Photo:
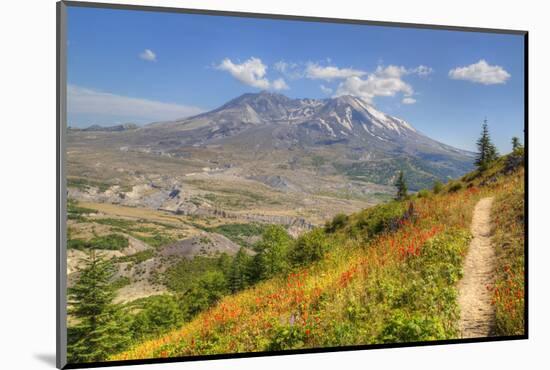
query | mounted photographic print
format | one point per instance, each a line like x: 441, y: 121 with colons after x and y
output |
x: 235, y: 184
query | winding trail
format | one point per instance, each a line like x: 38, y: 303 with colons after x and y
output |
x: 476, y: 311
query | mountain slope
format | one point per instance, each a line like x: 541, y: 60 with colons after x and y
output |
x: 355, y: 138
x: 397, y: 284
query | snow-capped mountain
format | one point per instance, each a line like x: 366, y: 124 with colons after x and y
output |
x: 307, y: 122
x: 361, y: 138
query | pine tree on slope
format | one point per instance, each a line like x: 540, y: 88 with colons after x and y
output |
x: 401, y: 186
x: 101, y: 329
x: 487, y: 152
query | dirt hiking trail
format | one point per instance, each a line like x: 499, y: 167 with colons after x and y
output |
x: 476, y: 311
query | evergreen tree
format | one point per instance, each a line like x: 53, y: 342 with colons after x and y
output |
x: 204, y: 292
x: 487, y: 152
x: 309, y: 247
x: 401, y: 185
x: 271, y: 258
x: 224, y: 264
x: 516, y: 144
x: 101, y: 328
x: 239, y: 273
x: 160, y: 314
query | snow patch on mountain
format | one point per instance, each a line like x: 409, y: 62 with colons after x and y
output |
x: 327, y: 126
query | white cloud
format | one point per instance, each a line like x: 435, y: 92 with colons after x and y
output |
x: 279, y: 84
x: 252, y: 73
x: 86, y: 101
x: 289, y: 69
x: 408, y: 100
x: 148, y: 55
x: 385, y: 81
x: 326, y: 90
x: 316, y: 72
x: 480, y: 72
x: 281, y: 66
x: 422, y: 71
x: 391, y: 71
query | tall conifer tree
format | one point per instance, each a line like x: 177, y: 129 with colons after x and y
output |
x: 487, y: 152
x: 101, y: 329
x: 401, y: 185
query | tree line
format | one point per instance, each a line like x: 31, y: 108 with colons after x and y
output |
x: 487, y: 154
x: 101, y: 328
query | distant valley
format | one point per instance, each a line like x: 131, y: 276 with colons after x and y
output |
x: 204, y: 184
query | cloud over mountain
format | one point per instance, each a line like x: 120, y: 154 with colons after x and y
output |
x: 385, y: 81
x: 316, y: 72
x: 251, y: 72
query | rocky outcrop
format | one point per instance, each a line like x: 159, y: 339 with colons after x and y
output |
x: 204, y: 244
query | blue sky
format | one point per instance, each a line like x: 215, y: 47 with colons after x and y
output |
x: 135, y: 66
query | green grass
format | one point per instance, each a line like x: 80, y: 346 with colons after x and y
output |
x: 508, y: 216
x: 85, y: 184
x: 377, y: 277
x: 387, y: 274
x: 422, y: 299
x: 419, y: 175
x: 239, y: 233
x: 371, y: 221
x: 107, y: 242
x: 116, y: 222
x: 156, y: 240
x: 121, y: 282
x: 77, y: 213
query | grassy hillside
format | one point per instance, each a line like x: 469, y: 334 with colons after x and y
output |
x: 505, y: 178
x: 389, y: 275
x: 509, y: 239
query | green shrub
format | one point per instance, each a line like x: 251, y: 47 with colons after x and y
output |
x: 423, y: 193
x: 288, y: 337
x: 183, y: 274
x: 156, y: 240
x: 438, y: 186
x: 204, y: 292
x: 157, y: 314
x: 116, y: 222
x: 79, y: 244
x: 309, y: 247
x: 471, y: 176
x: 338, y: 222
x: 375, y: 220
x: 416, y: 328
x: 455, y: 187
x: 239, y: 233
x: 108, y: 242
x: 137, y: 257
x: 75, y: 212
x: 84, y: 184
x: 120, y: 282
x: 111, y: 242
